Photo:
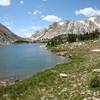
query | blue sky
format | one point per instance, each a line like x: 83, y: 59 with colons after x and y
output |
x: 23, y: 17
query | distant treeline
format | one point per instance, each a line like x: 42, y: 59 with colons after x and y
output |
x: 73, y: 38
x: 22, y: 41
x: 57, y: 40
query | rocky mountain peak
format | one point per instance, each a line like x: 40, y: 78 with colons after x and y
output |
x: 68, y: 27
x: 93, y: 19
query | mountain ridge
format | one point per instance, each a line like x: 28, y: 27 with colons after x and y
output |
x: 67, y: 27
x: 6, y: 36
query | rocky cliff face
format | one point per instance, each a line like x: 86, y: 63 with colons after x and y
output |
x: 6, y: 36
x: 67, y: 27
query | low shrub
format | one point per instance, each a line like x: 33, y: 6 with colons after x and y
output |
x: 95, y: 82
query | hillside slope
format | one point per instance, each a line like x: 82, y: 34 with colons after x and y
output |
x: 6, y: 36
x: 67, y: 27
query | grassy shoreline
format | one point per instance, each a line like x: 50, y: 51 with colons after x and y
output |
x: 50, y: 85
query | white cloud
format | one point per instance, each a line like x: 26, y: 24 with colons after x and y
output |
x: 88, y: 12
x: 44, y: 0
x: 29, y: 12
x: 5, y: 2
x: 7, y: 23
x: 9, y: 27
x: 27, y: 35
x: 42, y: 16
x: 34, y: 28
x: 21, y: 2
x: 51, y: 18
x: 23, y: 30
x: 29, y: 31
x: 37, y: 12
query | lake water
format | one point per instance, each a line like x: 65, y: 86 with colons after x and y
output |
x: 22, y: 60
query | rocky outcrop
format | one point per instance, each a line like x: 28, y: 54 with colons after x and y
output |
x: 67, y: 27
x: 6, y: 36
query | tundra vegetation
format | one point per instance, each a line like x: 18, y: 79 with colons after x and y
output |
x: 77, y: 79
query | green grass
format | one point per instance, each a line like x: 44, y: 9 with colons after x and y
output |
x: 49, y: 85
x: 47, y: 79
